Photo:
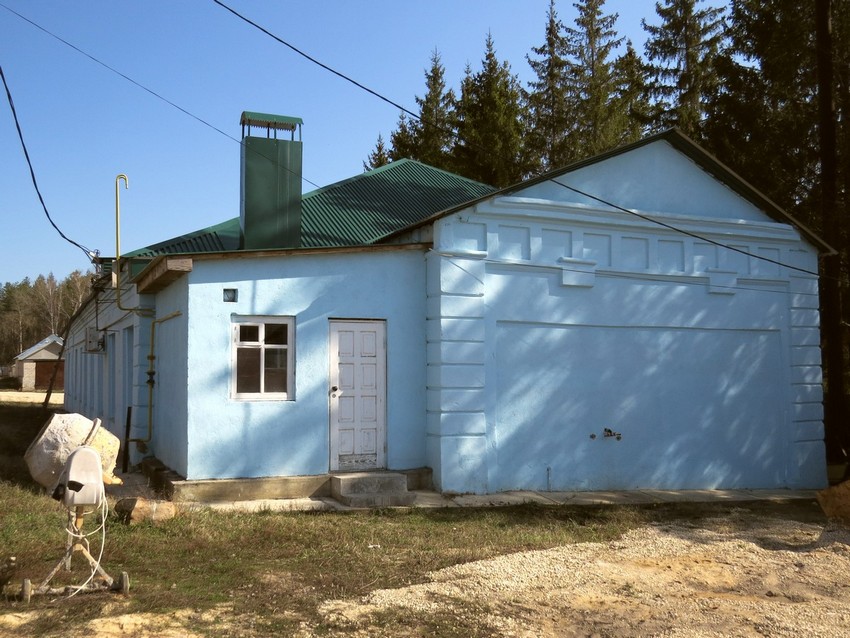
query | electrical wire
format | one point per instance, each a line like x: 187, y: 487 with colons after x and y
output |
x: 454, y: 134
x: 89, y: 254
x: 75, y: 533
x: 375, y: 94
x: 315, y: 61
x: 681, y: 231
x: 142, y: 86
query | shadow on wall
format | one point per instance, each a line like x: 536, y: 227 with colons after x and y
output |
x: 600, y: 407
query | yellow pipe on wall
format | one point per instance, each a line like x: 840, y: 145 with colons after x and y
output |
x: 116, y: 266
x: 151, y: 372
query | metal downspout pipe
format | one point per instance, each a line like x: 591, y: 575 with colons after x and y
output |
x: 151, y: 373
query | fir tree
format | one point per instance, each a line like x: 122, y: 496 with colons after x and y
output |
x: 434, y: 132
x: 378, y: 157
x: 632, y: 96
x: 763, y: 121
x: 490, y: 119
x: 402, y: 140
x: 428, y: 139
x: 682, y: 52
x: 549, y: 114
x: 597, y: 125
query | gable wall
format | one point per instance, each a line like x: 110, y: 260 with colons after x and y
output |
x: 525, y: 293
x: 656, y: 178
x: 50, y: 352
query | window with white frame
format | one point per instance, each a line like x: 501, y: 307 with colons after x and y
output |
x: 263, y: 358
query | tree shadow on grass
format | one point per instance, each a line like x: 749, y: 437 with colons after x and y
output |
x: 19, y: 425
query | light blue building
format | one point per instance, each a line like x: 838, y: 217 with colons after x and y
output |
x: 642, y: 319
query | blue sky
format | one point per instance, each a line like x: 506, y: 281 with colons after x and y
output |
x: 84, y: 124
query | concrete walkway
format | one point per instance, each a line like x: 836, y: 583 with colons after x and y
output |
x: 428, y: 499
x: 136, y: 485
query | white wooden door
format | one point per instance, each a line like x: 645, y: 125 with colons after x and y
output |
x: 357, y: 392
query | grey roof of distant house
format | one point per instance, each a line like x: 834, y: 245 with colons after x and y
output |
x: 26, y: 354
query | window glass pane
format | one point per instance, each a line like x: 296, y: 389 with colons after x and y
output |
x: 275, y: 370
x: 249, y: 333
x: 247, y: 370
x: 276, y: 334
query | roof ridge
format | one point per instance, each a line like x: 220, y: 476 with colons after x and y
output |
x: 444, y: 172
x: 395, y: 164
x: 52, y: 338
x: 348, y: 180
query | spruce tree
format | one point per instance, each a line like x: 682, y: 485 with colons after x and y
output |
x: 598, y: 123
x: 682, y: 52
x: 429, y: 138
x: 490, y: 118
x: 763, y: 122
x: 632, y: 99
x: 378, y: 157
x: 549, y: 112
x: 402, y: 140
x: 433, y: 134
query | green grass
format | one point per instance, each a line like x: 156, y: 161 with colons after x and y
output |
x: 266, y: 573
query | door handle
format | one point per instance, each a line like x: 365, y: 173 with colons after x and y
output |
x: 334, y: 388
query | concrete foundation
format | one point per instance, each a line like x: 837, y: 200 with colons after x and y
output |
x: 174, y: 487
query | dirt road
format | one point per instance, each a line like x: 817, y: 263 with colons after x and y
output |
x: 15, y: 396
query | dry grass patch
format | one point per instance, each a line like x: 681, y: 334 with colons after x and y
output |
x: 208, y: 573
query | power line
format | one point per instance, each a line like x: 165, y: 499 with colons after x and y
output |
x: 142, y: 86
x: 684, y: 232
x: 454, y: 134
x: 89, y: 254
x: 317, y: 62
x: 388, y: 101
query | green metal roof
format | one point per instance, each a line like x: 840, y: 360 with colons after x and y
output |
x: 354, y: 212
x: 218, y: 238
x: 366, y: 208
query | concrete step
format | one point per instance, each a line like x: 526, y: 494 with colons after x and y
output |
x: 367, y: 483
x: 378, y: 499
x: 371, y: 489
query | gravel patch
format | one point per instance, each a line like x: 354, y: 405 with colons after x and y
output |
x: 736, y: 576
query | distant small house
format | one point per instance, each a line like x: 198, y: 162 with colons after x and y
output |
x: 34, y: 366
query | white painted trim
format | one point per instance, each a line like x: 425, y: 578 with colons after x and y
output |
x: 381, y: 381
x: 261, y: 320
x: 574, y: 213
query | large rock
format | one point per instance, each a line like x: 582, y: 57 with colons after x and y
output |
x: 835, y: 502
x: 61, y: 435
